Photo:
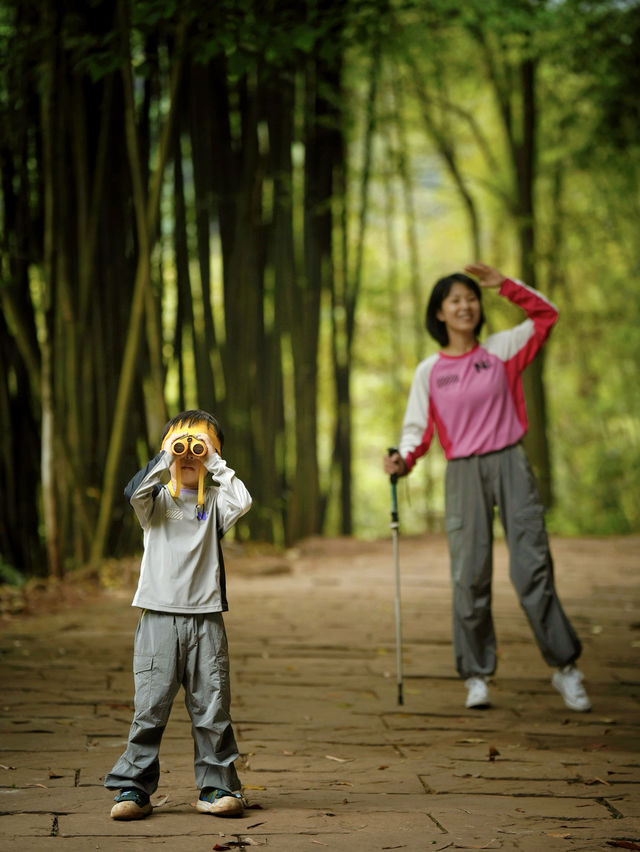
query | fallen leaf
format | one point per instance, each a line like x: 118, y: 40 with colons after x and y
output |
x: 53, y: 774
x: 383, y: 767
x: 471, y: 740
x: 253, y: 787
x: 623, y: 844
x: 2, y: 766
x: 218, y: 847
x: 493, y: 753
x: 591, y: 781
x: 337, y: 759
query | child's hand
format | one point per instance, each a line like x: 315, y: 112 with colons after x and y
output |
x: 170, y: 440
x: 206, y: 440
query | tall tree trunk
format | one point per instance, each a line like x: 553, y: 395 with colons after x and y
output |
x: 241, y: 232
x: 519, y: 98
x: 282, y: 260
x: 201, y: 130
x: 184, y: 310
x: 417, y: 296
x: 536, y: 440
x: 146, y: 220
x: 50, y: 154
x: 304, y: 512
x: 345, y: 287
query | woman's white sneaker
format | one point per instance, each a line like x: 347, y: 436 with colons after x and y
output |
x: 477, y: 693
x: 568, y: 682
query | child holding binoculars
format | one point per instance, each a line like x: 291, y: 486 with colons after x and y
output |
x: 180, y: 637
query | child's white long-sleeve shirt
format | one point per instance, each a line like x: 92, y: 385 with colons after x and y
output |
x: 182, y: 566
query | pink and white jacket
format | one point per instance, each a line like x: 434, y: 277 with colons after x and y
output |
x: 475, y: 401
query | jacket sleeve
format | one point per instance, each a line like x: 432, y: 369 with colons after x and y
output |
x: 520, y: 345
x: 232, y: 498
x: 418, y: 423
x: 143, y: 488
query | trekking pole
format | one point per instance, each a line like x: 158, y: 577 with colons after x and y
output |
x: 394, y: 525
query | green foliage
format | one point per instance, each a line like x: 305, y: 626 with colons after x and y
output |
x: 10, y: 575
x: 447, y: 83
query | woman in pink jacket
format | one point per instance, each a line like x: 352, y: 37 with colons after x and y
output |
x: 471, y: 393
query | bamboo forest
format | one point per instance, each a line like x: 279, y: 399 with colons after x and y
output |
x: 242, y: 206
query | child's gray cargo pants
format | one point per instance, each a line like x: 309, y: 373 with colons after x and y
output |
x: 172, y: 650
x: 474, y: 485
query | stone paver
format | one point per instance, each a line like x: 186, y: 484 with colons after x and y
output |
x: 329, y: 760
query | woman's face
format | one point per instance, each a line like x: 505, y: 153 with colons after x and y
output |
x: 460, y: 310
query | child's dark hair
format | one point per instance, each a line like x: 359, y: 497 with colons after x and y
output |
x: 436, y: 328
x: 191, y: 417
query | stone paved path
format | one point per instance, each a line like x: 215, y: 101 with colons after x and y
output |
x: 329, y: 759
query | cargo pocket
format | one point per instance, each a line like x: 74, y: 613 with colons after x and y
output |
x: 531, y: 535
x: 454, y: 526
x: 142, y: 673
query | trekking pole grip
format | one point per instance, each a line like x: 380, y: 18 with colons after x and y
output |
x: 393, y: 478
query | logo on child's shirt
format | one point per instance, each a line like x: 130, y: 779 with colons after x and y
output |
x: 451, y: 379
x: 174, y: 514
x: 481, y: 365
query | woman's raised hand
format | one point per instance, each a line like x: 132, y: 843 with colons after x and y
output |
x: 487, y: 276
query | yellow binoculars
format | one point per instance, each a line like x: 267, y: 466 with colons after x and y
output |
x: 189, y: 444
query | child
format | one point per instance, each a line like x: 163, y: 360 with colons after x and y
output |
x: 472, y: 394
x: 180, y: 638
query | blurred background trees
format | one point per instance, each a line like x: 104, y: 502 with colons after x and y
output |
x: 242, y: 206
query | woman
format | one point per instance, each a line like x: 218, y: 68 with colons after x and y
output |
x: 472, y: 394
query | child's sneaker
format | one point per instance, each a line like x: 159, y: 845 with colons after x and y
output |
x: 131, y: 804
x: 220, y: 802
x: 477, y: 694
x: 568, y: 682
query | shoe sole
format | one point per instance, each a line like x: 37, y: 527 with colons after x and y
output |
x: 582, y: 708
x: 129, y: 811
x: 227, y: 806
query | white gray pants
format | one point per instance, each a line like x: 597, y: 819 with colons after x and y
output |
x: 474, y: 486
x: 170, y: 650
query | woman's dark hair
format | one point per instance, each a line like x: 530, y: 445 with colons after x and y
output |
x: 436, y: 328
x: 187, y: 419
